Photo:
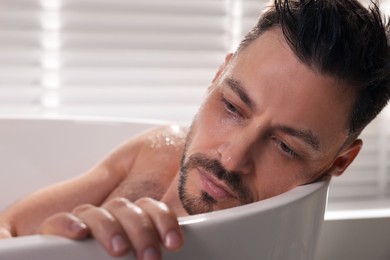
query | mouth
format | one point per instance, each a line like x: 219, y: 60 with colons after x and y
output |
x: 214, y: 187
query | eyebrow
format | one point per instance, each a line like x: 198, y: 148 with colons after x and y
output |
x: 306, y: 136
x: 237, y: 88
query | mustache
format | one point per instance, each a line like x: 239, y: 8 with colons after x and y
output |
x: 232, y: 179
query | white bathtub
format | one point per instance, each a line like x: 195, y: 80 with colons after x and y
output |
x: 37, y: 152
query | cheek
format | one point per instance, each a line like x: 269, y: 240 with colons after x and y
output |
x: 275, y: 174
x: 207, y: 127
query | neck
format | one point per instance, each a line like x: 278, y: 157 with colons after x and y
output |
x: 171, y: 198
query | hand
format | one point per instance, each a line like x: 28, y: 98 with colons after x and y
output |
x: 121, y: 226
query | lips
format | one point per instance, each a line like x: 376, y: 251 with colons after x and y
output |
x: 214, y: 187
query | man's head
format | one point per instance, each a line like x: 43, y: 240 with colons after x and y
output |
x: 287, y: 107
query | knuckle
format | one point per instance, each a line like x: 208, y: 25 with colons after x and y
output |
x: 157, y: 207
x: 123, y: 205
x: 158, y: 211
x: 117, y: 203
x: 105, y: 225
x: 60, y: 215
x: 144, y: 201
x: 164, y: 208
x: 146, y: 225
x: 82, y: 208
x: 146, y: 229
x: 102, y: 221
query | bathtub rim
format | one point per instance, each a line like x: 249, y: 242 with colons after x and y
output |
x: 278, y: 201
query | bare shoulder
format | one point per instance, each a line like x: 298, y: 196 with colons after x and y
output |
x: 156, y: 144
x: 157, y: 161
x: 167, y: 137
x: 164, y: 136
x: 163, y: 146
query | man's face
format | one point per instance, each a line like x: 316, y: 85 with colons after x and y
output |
x: 268, y: 124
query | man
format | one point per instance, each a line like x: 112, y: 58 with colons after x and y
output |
x: 285, y: 109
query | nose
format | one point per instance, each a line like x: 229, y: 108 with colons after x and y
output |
x: 235, y: 152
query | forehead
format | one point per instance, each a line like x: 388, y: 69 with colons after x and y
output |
x: 288, y: 92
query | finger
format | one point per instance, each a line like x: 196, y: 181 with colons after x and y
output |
x: 64, y: 224
x: 104, y: 228
x: 5, y: 233
x: 138, y: 227
x: 165, y: 221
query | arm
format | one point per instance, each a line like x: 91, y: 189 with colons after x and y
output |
x: 79, y: 207
x: 93, y: 187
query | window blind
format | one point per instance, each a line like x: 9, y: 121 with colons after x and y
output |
x: 125, y: 58
x: 143, y: 59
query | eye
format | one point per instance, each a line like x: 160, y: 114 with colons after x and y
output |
x: 230, y: 107
x: 285, y: 148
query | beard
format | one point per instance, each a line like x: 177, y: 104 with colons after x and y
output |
x: 203, y: 202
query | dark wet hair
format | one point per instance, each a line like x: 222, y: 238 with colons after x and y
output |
x: 341, y: 39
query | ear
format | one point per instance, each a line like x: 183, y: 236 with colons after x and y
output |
x: 223, y: 66
x: 345, y: 158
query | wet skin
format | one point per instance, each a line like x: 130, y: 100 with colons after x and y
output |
x: 268, y: 123
x: 269, y: 120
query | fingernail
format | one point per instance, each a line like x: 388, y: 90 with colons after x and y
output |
x: 172, y: 239
x: 118, y: 243
x: 150, y: 254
